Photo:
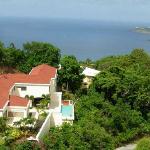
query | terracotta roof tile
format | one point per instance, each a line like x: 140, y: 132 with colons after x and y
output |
x: 18, y: 101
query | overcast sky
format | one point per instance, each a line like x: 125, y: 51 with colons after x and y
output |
x: 122, y: 10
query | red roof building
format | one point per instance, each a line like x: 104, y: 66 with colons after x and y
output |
x: 41, y: 74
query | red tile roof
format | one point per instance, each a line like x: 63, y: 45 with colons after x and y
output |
x: 41, y: 74
x: 18, y: 101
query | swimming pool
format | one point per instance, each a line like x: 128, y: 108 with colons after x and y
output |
x: 67, y: 111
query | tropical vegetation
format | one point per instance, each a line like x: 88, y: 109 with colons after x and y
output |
x: 112, y: 112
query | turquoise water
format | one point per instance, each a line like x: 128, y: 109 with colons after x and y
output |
x: 67, y: 111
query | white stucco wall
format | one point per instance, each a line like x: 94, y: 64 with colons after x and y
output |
x: 45, y: 127
x: 56, y: 101
x: 53, y: 85
x: 4, y: 110
x: 56, y: 119
x: 1, y: 113
x: 36, y: 90
x: 14, y: 91
x: 25, y: 110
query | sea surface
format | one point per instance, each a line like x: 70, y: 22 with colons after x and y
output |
x: 82, y: 38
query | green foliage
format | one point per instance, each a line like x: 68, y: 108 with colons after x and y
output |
x: 143, y: 144
x: 70, y: 73
x: 33, y: 54
x: 1, y: 53
x: 113, y: 111
x: 87, y: 63
x: 78, y: 137
x: 2, y: 141
x: 43, y: 104
x: 129, y: 82
x: 15, y: 133
x: 27, y: 145
x: 25, y: 123
x: 11, y: 56
x: 2, y: 125
x: 37, y: 53
x: 3, y: 147
x: 67, y: 96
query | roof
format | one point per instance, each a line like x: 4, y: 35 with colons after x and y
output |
x: 18, y: 101
x: 41, y: 74
x: 43, y: 69
x: 90, y: 72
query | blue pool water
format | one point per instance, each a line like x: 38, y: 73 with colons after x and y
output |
x: 67, y: 111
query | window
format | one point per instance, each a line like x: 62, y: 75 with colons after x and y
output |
x: 23, y: 88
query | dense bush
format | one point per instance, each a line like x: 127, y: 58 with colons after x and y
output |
x: 143, y: 144
x: 27, y: 145
x: 83, y: 137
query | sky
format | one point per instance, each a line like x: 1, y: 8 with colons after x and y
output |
x: 108, y: 10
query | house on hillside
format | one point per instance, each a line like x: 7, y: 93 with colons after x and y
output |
x: 89, y: 74
x: 15, y: 87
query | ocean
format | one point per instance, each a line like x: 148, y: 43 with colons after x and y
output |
x: 82, y: 38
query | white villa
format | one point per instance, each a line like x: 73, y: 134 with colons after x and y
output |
x: 41, y: 80
x: 89, y: 74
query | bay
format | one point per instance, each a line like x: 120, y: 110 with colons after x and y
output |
x: 82, y: 38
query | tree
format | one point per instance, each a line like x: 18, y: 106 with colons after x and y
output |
x: 13, y: 57
x: 38, y: 53
x: 128, y: 85
x: 1, y: 53
x: 87, y: 63
x: 70, y: 73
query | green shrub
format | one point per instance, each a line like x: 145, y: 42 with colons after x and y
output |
x: 2, y: 141
x: 9, y: 140
x: 68, y: 95
x: 3, y: 147
x: 143, y: 144
x: 2, y: 124
x: 15, y: 133
x: 27, y: 145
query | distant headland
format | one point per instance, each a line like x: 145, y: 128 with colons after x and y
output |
x: 145, y: 30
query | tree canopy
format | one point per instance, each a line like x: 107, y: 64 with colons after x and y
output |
x: 70, y: 73
x: 32, y: 54
x: 37, y: 53
x: 115, y: 109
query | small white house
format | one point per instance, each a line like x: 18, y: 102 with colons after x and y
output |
x: 89, y: 74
